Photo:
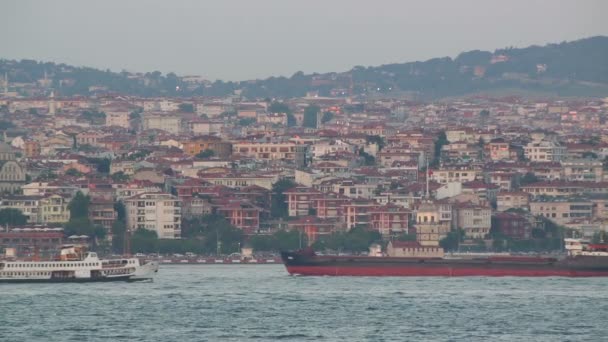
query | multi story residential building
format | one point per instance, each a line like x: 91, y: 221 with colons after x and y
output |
x: 101, y: 212
x: 301, y: 200
x: 238, y: 181
x: 512, y: 225
x: 32, y: 149
x: 560, y: 188
x: 91, y: 138
x: 199, y: 144
x: 354, y: 189
x: 266, y: 150
x: 510, y: 200
x: 588, y: 170
x: 241, y: 214
x: 504, y: 180
x: 600, y: 205
x: 125, y: 166
x: 562, y: 210
x: 158, y: 212
x: 475, y: 220
x: 389, y: 220
x: 356, y: 212
x: 163, y: 121
x: 544, y: 150
x: 54, y: 209
x: 117, y: 118
x: 329, y: 205
x: 28, y: 205
x: 455, y: 174
x: 497, y: 149
x: 205, y: 127
x: 322, y: 148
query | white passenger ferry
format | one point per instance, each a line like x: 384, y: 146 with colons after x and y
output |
x: 75, y: 265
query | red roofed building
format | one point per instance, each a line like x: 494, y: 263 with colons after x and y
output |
x: 300, y: 200
x: 389, y: 219
x: 242, y: 215
x: 330, y: 205
x: 511, y: 225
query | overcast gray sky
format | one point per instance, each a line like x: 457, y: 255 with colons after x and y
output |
x: 245, y: 39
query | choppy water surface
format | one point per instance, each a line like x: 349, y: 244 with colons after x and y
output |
x: 263, y: 303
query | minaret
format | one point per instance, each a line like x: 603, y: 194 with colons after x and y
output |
x: 52, y: 103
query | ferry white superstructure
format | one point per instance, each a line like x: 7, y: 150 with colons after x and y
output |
x: 76, y: 266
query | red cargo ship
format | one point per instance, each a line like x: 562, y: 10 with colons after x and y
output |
x: 583, y: 260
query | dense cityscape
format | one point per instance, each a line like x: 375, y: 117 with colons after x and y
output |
x: 338, y: 169
x: 303, y: 171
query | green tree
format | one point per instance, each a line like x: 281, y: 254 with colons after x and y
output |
x: 102, y: 164
x: 136, y: 114
x: 120, y: 176
x: 83, y: 226
x: 73, y: 172
x: 94, y: 117
x: 484, y: 114
x: 205, y: 154
x: 452, y: 240
x: 375, y: 139
x: 212, y: 232
x: 278, y: 207
x: 12, y: 217
x: 278, y: 107
x: 528, y: 178
x: 439, y: 143
x: 263, y: 243
x: 310, y: 116
x: 369, y: 159
x: 589, y: 154
x: 244, y: 122
x: 358, y: 239
x: 4, y: 125
x: 79, y: 206
x: 286, y: 240
x: 327, y: 116
x: 407, y: 237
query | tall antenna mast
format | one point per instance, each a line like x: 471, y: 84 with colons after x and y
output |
x: 427, y: 178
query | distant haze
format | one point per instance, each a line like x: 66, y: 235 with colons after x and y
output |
x: 246, y: 39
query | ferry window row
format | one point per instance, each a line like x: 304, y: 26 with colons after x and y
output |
x: 17, y: 274
x: 80, y: 264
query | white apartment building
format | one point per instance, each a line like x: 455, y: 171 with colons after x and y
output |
x: 589, y: 170
x: 544, y: 150
x: 159, y: 212
x: 445, y: 176
x: 166, y: 122
x: 474, y: 220
x: 117, y: 118
x: 322, y: 148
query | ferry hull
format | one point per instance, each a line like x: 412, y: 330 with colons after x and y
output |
x: 307, y: 264
x: 71, y: 280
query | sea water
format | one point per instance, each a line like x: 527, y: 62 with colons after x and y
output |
x: 263, y: 303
